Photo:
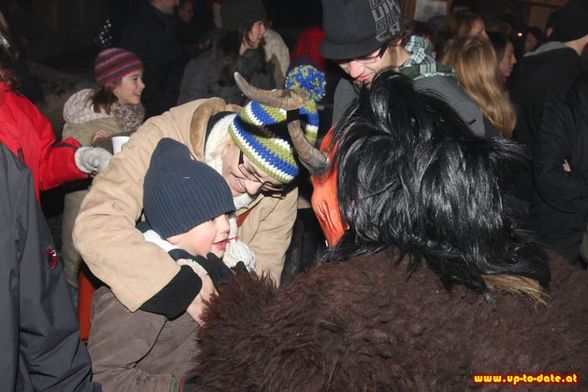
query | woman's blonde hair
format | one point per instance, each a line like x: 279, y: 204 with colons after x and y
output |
x: 474, y: 61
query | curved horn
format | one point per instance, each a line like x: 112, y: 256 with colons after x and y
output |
x: 311, y: 157
x: 290, y: 100
x: 283, y: 99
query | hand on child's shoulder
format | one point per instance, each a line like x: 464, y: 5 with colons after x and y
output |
x: 200, y: 271
x: 197, y: 306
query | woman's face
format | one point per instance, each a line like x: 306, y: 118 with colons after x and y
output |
x: 507, y: 62
x: 531, y: 43
x: 129, y: 89
x: 243, y: 177
x: 256, y: 34
x: 186, y: 12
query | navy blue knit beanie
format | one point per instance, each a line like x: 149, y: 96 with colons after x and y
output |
x: 179, y: 193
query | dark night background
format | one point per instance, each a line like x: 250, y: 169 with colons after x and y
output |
x: 60, y: 33
x: 57, y: 37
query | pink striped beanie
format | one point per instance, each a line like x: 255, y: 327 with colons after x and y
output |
x: 115, y: 63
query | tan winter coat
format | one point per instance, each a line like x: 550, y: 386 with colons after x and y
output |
x: 105, y: 231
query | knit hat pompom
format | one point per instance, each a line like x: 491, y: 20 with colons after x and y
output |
x: 113, y: 64
x: 261, y: 132
x: 309, y: 79
x: 179, y: 192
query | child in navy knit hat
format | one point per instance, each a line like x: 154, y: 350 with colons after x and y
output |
x: 186, y: 205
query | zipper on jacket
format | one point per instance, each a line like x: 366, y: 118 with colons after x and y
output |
x: 21, y: 156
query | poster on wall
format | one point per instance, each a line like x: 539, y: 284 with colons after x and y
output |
x: 425, y: 9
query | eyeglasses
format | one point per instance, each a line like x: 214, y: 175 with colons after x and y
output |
x: 252, y: 176
x: 368, y: 59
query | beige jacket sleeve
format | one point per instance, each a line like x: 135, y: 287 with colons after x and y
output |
x: 105, y: 232
x: 268, y: 231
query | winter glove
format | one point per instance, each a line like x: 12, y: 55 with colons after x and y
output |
x: 217, y: 270
x: 92, y: 159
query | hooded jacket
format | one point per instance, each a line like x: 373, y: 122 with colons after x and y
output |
x: 116, y: 252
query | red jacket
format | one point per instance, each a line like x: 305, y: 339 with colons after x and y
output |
x: 28, y: 134
x: 308, y: 46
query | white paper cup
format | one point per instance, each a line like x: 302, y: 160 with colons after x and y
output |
x: 117, y: 143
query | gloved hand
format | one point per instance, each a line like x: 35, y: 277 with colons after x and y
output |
x: 92, y: 159
x: 217, y: 270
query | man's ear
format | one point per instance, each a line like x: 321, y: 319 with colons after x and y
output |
x: 174, y: 239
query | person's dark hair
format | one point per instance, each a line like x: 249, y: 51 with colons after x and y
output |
x: 551, y: 23
x: 422, y: 29
x: 535, y: 32
x: 412, y: 176
x: 103, y: 99
x: 499, y: 42
x: 227, y: 49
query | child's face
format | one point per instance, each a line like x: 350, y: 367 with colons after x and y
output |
x: 207, y: 237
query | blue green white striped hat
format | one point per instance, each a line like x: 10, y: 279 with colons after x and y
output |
x: 261, y: 132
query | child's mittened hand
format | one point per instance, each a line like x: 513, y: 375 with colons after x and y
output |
x: 218, y: 271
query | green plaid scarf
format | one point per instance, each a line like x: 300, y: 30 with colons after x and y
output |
x: 421, y: 64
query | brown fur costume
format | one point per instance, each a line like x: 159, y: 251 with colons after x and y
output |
x: 421, y: 182
x: 368, y: 325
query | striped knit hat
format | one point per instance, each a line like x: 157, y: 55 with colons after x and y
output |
x: 115, y: 63
x: 261, y: 131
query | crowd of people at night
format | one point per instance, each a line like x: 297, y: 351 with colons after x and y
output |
x: 379, y: 204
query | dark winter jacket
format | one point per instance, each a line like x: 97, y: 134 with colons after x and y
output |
x: 367, y: 324
x: 40, y: 340
x: 152, y: 37
x: 202, y: 74
x: 561, y: 214
x: 543, y: 74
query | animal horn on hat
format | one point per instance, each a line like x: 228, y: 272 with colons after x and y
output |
x: 290, y: 100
